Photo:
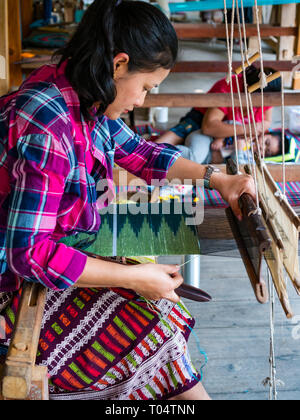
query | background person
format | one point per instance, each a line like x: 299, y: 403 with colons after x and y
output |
x: 198, y: 129
x: 272, y: 149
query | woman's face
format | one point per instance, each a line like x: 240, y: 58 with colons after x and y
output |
x: 132, y: 88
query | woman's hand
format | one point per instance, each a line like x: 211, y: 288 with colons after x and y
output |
x: 155, y: 281
x: 231, y: 187
x: 217, y: 144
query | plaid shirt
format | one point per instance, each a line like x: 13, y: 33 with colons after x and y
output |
x: 46, y: 189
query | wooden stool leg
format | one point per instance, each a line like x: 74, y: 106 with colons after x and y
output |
x: 18, y: 371
x: 4, y: 53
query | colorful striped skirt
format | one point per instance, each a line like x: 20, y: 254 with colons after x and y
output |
x: 111, y: 344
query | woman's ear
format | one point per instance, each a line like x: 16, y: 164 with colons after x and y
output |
x: 121, y: 61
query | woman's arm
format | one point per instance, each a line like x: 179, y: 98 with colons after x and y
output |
x: 37, y: 180
x: 152, y: 281
x: 231, y: 187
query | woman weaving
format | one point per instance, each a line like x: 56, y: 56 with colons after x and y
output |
x: 61, y: 132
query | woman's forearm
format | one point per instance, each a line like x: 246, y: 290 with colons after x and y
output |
x: 184, y: 170
x: 153, y: 281
x: 231, y: 187
x: 99, y: 273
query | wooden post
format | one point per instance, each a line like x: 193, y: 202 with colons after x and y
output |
x: 286, y: 43
x: 253, y: 40
x: 296, y: 81
x: 4, y: 56
x: 14, y: 42
x: 26, y: 16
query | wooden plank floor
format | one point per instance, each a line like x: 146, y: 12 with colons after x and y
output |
x: 234, y: 331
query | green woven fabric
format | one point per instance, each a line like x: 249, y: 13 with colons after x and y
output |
x: 150, y: 232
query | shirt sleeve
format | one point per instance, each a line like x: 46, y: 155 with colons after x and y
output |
x: 37, y: 185
x: 142, y: 158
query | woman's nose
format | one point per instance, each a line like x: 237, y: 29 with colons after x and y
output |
x: 140, y: 100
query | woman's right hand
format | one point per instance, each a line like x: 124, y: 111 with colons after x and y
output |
x: 155, y: 281
x: 231, y: 187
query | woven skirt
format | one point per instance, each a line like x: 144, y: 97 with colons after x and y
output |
x: 111, y: 344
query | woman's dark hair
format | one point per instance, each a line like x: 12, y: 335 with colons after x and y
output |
x: 109, y: 27
x: 252, y: 77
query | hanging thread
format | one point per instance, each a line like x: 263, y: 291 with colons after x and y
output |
x: 272, y: 381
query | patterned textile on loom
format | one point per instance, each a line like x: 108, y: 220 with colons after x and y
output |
x: 161, y: 228
x: 127, y: 226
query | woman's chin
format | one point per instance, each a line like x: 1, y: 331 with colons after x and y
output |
x: 112, y: 115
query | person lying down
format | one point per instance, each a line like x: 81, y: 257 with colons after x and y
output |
x: 222, y: 149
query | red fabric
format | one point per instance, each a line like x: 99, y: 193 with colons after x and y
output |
x: 223, y: 87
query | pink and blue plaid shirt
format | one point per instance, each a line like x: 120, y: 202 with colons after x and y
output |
x: 46, y: 189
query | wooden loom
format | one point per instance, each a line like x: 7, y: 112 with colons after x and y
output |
x: 271, y: 236
x: 283, y: 225
x: 252, y: 239
x: 271, y: 223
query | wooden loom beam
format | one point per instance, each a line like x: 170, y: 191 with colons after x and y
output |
x: 197, y: 31
x: 215, y: 100
x: 222, y: 66
x: 252, y: 238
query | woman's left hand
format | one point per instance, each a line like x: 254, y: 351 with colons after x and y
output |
x: 231, y: 187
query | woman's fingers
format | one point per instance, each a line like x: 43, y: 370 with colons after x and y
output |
x: 232, y: 187
x: 246, y: 185
x: 173, y: 297
x: 236, y: 209
x: 174, y: 272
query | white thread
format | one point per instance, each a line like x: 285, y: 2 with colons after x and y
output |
x: 230, y: 53
x: 283, y: 136
x: 272, y: 381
